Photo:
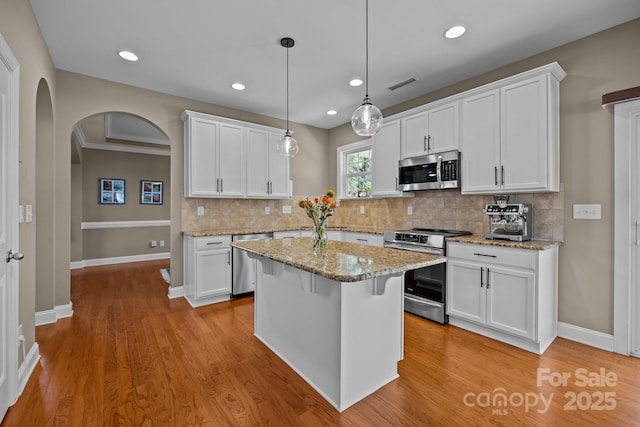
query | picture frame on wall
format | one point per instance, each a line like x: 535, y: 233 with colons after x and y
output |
x: 112, y: 191
x: 151, y: 192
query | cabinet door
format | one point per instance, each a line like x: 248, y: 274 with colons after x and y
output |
x: 480, y: 142
x: 443, y: 129
x: 414, y: 135
x: 278, y: 169
x: 524, y: 135
x: 257, y: 162
x: 201, y: 161
x: 231, y: 161
x: 466, y: 296
x: 511, y: 301
x: 386, y: 155
x: 213, y: 272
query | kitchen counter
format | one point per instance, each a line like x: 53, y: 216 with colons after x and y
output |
x: 270, y: 229
x: 478, y: 239
x: 342, y: 261
x: 335, y: 318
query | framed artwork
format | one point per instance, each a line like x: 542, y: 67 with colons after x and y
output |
x: 112, y: 191
x: 151, y: 192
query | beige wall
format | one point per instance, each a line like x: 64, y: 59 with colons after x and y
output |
x: 602, y: 63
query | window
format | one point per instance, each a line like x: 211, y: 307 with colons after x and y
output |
x: 355, y: 170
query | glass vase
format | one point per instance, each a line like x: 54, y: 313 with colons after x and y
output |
x: 319, y: 237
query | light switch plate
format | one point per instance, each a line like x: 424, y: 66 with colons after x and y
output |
x: 267, y: 210
x: 362, y: 209
x: 409, y: 210
x: 200, y: 210
x: 587, y: 211
x: 29, y: 214
x: 286, y: 209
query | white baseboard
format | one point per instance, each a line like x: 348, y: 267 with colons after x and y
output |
x: 119, y: 260
x: 176, y: 292
x: 26, y: 369
x: 47, y: 317
x: 586, y: 336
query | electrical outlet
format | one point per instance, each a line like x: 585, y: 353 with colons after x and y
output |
x: 587, y: 211
x: 409, y: 210
x: 200, y: 210
x: 162, y: 243
x: 286, y: 209
x: 362, y: 210
x: 267, y: 210
x: 153, y: 244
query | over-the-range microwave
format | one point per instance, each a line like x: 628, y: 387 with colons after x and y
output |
x: 436, y: 171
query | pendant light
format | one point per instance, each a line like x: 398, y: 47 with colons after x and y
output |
x: 287, y: 146
x: 367, y: 119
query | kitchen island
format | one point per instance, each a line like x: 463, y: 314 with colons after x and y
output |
x: 335, y: 318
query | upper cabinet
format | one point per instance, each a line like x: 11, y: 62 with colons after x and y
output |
x: 229, y: 158
x: 430, y: 131
x: 510, y: 134
x: 386, y: 155
x: 267, y: 171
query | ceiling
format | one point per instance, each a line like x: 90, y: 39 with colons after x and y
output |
x: 198, y: 48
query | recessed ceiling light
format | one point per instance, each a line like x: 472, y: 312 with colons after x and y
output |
x: 356, y: 82
x: 238, y: 86
x: 128, y: 55
x: 332, y: 112
x: 455, y: 32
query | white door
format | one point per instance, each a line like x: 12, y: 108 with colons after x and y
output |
x: 278, y: 169
x: 466, y: 296
x: 511, y: 300
x: 8, y: 226
x: 634, y: 139
x: 257, y: 145
x: 414, y: 135
x: 386, y: 154
x: 443, y: 128
x: 231, y: 162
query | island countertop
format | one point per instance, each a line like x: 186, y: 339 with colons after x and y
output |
x: 341, y: 261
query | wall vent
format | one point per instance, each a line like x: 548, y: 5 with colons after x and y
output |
x: 404, y: 83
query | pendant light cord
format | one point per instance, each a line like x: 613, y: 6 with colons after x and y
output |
x: 287, y: 89
x: 367, y: 49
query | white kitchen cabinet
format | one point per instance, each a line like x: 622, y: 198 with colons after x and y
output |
x: 363, y: 238
x: 510, y: 134
x: 214, y: 157
x: 507, y: 294
x: 386, y: 155
x: 267, y: 170
x: 431, y: 131
x: 207, y: 269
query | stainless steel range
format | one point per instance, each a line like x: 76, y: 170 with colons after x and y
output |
x: 425, y: 289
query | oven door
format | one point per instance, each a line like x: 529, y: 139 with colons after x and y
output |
x: 425, y: 291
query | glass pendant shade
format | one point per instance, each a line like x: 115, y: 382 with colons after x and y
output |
x: 367, y: 119
x: 287, y: 146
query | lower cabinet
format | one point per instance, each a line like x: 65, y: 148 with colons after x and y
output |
x: 504, y: 293
x: 207, y: 269
x: 364, y: 238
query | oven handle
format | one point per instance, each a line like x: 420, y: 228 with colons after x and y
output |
x: 413, y: 249
x: 421, y: 301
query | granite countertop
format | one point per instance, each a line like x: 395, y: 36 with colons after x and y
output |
x: 270, y: 229
x: 478, y: 239
x: 342, y: 261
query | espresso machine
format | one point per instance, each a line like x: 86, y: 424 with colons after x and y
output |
x: 509, y: 221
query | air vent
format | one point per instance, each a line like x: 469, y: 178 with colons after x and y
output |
x: 404, y: 83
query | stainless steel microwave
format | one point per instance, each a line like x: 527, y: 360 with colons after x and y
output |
x: 436, y: 171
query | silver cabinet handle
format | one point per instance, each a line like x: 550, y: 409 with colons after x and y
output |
x: 396, y: 183
x: 217, y: 185
x: 495, y: 175
x: 481, y: 274
x: 424, y: 143
x: 638, y: 233
x: 14, y: 256
x: 229, y: 253
x: 214, y: 243
x: 485, y: 255
x: 502, y: 175
x: 221, y: 185
x: 488, y: 284
x: 362, y: 240
x: 428, y: 142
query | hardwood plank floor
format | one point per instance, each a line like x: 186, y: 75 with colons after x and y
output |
x: 130, y: 356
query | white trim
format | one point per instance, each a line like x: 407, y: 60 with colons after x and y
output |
x: 47, y: 317
x: 96, y: 225
x: 585, y: 336
x: 26, y: 369
x: 176, y: 292
x: 118, y: 147
x: 623, y: 268
x: 118, y: 260
x: 111, y: 133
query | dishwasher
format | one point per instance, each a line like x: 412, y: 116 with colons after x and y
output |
x: 245, y: 269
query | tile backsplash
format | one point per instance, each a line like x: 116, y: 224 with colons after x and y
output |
x: 435, y: 209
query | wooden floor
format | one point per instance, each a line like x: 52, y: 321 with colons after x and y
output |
x: 130, y: 356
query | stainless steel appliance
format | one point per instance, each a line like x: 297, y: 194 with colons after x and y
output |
x: 437, y: 171
x: 244, y: 268
x: 509, y: 221
x: 425, y: 289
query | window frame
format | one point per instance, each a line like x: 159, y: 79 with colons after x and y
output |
x: 342, y: 154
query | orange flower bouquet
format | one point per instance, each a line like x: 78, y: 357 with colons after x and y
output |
x: 319, y: 210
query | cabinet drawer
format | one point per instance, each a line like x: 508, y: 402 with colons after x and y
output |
x: 512, y: 257
x: 203, y: 243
